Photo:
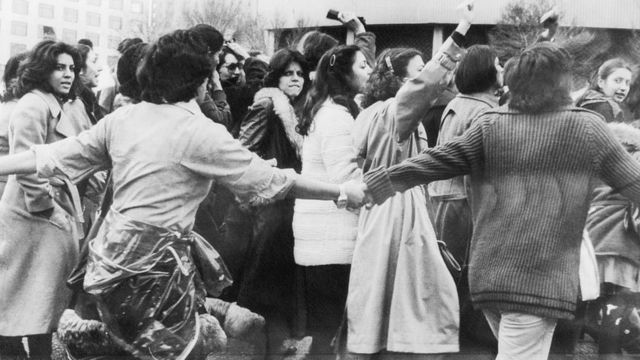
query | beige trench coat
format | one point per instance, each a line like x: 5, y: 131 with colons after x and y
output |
x: 36, y: 254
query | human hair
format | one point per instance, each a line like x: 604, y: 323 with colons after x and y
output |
x: 83, y: 51
x: 477, y: 72
x: 210, y: 35
x: 278, y: 65
x: 225, y: 51
x: 333, y: 80
x: 313, y: 45
x: 86, y: 42
x: 173, y: 68
x: 10, y: 76
x: 607, y: 68
x: 34, y: 72
x: 126, y: 70
x: 385, y: 80
x: 540, y: 78
x: 124, y: 44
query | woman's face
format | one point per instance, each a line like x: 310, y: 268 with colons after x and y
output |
x: 292, y: 80
x: 360, y: 72
x: 414, y: 66
x: 616, y: 85
x: 61, y: 78
x: 89, y: 75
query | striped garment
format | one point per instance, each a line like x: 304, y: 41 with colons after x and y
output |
x: 532, y: 177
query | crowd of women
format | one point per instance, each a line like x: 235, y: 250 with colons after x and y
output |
x: 203, y: 145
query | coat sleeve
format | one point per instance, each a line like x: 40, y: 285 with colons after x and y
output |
x: 454, y: 158
x: 613, y: 164
x: 417, y: 95
x: 217, y: 108
x: 76, y: 157
x: 366, y: 41
x: 215, y: 154
x: 28, y: 127
x: 254, y: 126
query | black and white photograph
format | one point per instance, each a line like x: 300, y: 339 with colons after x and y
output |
x: 319, y: 180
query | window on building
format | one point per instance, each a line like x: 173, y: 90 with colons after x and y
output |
x: 115, y: 4
x: 136, y: 6
x: 94, y: 37
x: 115, y: 22
x: 70, y: 15
x: 16, y: 49
x: 113, y: 42
x: 20, y: 7
x: 19, y: 28
x: 94, y: 2
x: 93, y: 19
x: 136, y: 26
x: 69, y: 36
x: 45, y: 11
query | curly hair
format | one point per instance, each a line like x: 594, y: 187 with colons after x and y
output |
x: 278, y: 65
x: 333, y: 80
x: 477, y: 71
x: 10, y: 76
x: 34, y: 72
x: 539, y: 79
x: 385, y: 81
x: 173, y: 68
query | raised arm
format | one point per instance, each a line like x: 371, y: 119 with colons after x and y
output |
x: 417, y: 95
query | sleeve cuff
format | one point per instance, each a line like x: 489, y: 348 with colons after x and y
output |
x: 449, y: 54
x: 379, y: 185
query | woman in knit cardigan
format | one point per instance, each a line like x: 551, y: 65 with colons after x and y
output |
x: 531, y: 165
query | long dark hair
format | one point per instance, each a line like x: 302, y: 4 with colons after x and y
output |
x: 477, y: 71
x: 42, y: 61
x: 540, y: 78
x: 333, y: 80
x: 10, y: 76
x: 279, y: 63
x: 388, y: 74
x: 173, y: 68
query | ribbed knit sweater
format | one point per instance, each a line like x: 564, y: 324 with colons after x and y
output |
x: 531, y: 182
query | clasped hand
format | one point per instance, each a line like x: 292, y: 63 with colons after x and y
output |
x: 358, y: 194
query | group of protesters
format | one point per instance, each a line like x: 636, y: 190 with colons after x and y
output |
x: 294, y: 202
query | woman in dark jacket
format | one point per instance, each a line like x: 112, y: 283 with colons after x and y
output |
x: 269, y: 129
x: 608, y: 90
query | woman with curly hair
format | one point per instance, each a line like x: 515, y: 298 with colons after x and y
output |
x: 164, y: 153
x: 608, y: 90
x: 531, y: 165
x: 402, y: 298
x: 39, y: 244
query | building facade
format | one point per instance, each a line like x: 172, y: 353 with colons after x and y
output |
x: 23, y: 23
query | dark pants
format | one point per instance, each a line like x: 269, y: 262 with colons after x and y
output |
x: 39, y: 347
x: 454, y: 226
x: 325, y: 292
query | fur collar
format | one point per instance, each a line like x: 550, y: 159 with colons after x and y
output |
x: 283, y: 109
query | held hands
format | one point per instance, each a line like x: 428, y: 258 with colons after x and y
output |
x: 357, y: 194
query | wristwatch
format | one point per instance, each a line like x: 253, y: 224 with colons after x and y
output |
x: 341, y: 203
